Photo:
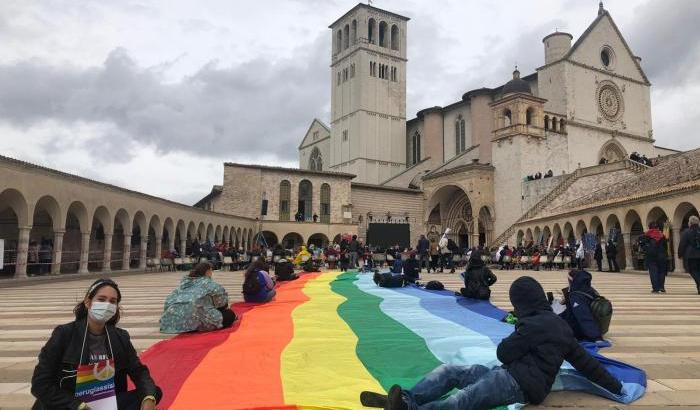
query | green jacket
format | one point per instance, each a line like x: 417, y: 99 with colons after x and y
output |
x: 193, y: 306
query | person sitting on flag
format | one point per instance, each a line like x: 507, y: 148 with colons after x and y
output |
x: 93, y: 337
x: 302, y: 256
x: 198, y: 304
x: 532, y: 356
x: 578, y: 314
x: 258, y: 286
x: 411, y: 268
x: 477, y: 279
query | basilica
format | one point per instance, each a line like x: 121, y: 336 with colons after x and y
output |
x: 375, y: 171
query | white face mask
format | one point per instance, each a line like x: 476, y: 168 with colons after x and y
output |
x: 101, y: 312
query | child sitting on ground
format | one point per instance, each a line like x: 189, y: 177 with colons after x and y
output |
x: 531, y: 357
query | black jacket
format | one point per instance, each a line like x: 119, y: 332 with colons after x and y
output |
x: 578, y: 312
x: 687, y: 247
x: 477, y: 280
x: 53, y: 382
x: 533, y: 353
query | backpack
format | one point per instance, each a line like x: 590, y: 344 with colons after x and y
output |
x: 388, y: 280
x: 252, y: 286
x: 602, y: 310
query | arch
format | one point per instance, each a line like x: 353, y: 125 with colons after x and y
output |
x: 13, y: 199
x: 346, y: 36
x: 546, y: 122
x: 537, y: 234
x: 353, y: 31
x: 682, y: 213
x: 305, y: 205
x: 80, y: 213
x: 325, y: 203
x: 285, y: 194
x: 529, y: 116
x: 613, y: 231
x: 395, y: 39
x: 372, y: 31
x: 101, y: 224
x: 267, y: 238
x: 562, y: 125
x: 568, y: 233
x: 580, y: 229
x: 138, y: 226
x: 339, y: 41
x: 632, y: 218
x: 249, y: 240
x: 612, y: 222
x: 292, y: 240
x: 168, y: 229
x: 658, y: 215
x: 201, y: 232
x: 217, y: 234
x: 183, y: 229
x: 612, y: 151
x: 634, y: 228
x: 210, y: 233
x: 225, y: 235
x: 316, y: 160
x: 507, y: 118
x: 460, y: 137
x: 596, y: 227
x: 415, y: 146
x: 76, y: 224
x: 519, y: 237
x: 318, y: 240
x: 528, y: 235
x: 546, y: 236
x: 554, y: 123
x: 48, y: 204
x: 383, y: 34
x: 557, y: 237
x: 455, y: 212
x: 486, y: 222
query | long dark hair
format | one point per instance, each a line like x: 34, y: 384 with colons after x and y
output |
x: 200, y: 270
x: 81, y: 311
x: 254, y: 267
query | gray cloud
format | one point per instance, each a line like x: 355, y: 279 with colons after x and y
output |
x: 253, y: 108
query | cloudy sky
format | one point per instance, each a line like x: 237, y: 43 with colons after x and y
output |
x: 156, y: 95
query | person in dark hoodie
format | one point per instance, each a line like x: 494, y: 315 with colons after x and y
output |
x: 689, y: 249
x: 654, y: 244
x: 477, y: 279
x: 411, y: 268
x: 578, y: 314
x: 531, y: 357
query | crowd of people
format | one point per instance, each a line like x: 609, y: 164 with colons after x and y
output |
x: 539, y: 175
x: 548, y: 329
x: 642, y: 159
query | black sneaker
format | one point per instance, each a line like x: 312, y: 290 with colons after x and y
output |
x: 395, y: 399
x: 662, y: 290
x: 654, y: 291
x: 372, y: 399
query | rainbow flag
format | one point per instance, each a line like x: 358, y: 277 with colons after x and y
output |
x: 329, y: 336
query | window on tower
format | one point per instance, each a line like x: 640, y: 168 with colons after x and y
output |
x: 371, y: 31
x: 345, y: 135
x: 394, y: 37
x: 382, y: 33
x: 353, y: 32
x: 338, y: 78
x: 346, y: 37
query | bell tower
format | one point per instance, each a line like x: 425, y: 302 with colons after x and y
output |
x: 519, y: 146
x: 368, y: 94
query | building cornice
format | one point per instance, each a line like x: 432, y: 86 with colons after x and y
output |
x: 367, y: 159
x: 368, y: 7
x: 592, y: 68
x: 459, y: 169
x: 393, y: 117
x: 614, y: 132
x: 338, y: 58
x: 384, y: 188
x: 291, y: 170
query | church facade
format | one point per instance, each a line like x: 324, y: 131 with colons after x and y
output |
x: 589, y: 102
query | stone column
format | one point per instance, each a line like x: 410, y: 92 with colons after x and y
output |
x: 629, y: 262
x: 126, y: 254
x: 142, y: 252
x: 57, y: 252
x: 183, y: 247
x: 674, y: 251
x: 159, y: 246
x: 474, y: 240
x: 22, y: 252
x: 107, y: 257
x: 84, y: 252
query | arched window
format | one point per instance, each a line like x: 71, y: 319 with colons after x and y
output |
x: 395, y: 37
x: 546, y: 122
x: 346, y: 35
x: 528, y: 116
x: 415, y: 148
x: 325, y: 203
x: 561, y: 125
x: 305, y: 204
x: 353, y: 32
x: 382, y: 33
x: 339, y: 42
x: 507, y: 118
x: 285, y: 191
x: 460, y: 136
x: 315, y: 160
x: 372, y: 31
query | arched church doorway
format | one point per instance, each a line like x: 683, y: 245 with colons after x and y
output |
x: 450, y: 207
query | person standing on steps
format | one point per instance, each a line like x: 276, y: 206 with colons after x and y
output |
x: 689, y: 249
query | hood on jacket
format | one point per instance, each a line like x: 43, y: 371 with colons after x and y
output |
x: 188, y: 281
x: 655, y: 234
x: 475, y: 259
x: 581, y: 280
x: 527, y: 297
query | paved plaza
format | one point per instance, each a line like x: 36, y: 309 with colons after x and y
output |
x: 658, y: 333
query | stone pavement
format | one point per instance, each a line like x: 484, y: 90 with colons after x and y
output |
x: 658, y: 333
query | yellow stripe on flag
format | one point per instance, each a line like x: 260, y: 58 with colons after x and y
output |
x: 320, y: 368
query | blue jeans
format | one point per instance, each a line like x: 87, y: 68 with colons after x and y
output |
x: 480, y: 388
x: 657, y: 274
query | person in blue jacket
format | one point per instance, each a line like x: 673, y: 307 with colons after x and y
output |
x: 578, y: 314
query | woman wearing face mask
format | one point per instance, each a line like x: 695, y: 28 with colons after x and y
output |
x: 87, y: 361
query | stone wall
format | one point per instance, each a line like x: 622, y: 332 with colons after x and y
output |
x: 534, y: 191
x: 380, y: 200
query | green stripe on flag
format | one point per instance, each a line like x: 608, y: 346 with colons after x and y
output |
x: 391, y: 352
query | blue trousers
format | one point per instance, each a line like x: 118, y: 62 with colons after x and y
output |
x: 479, y: 388
x: 657, y: 274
